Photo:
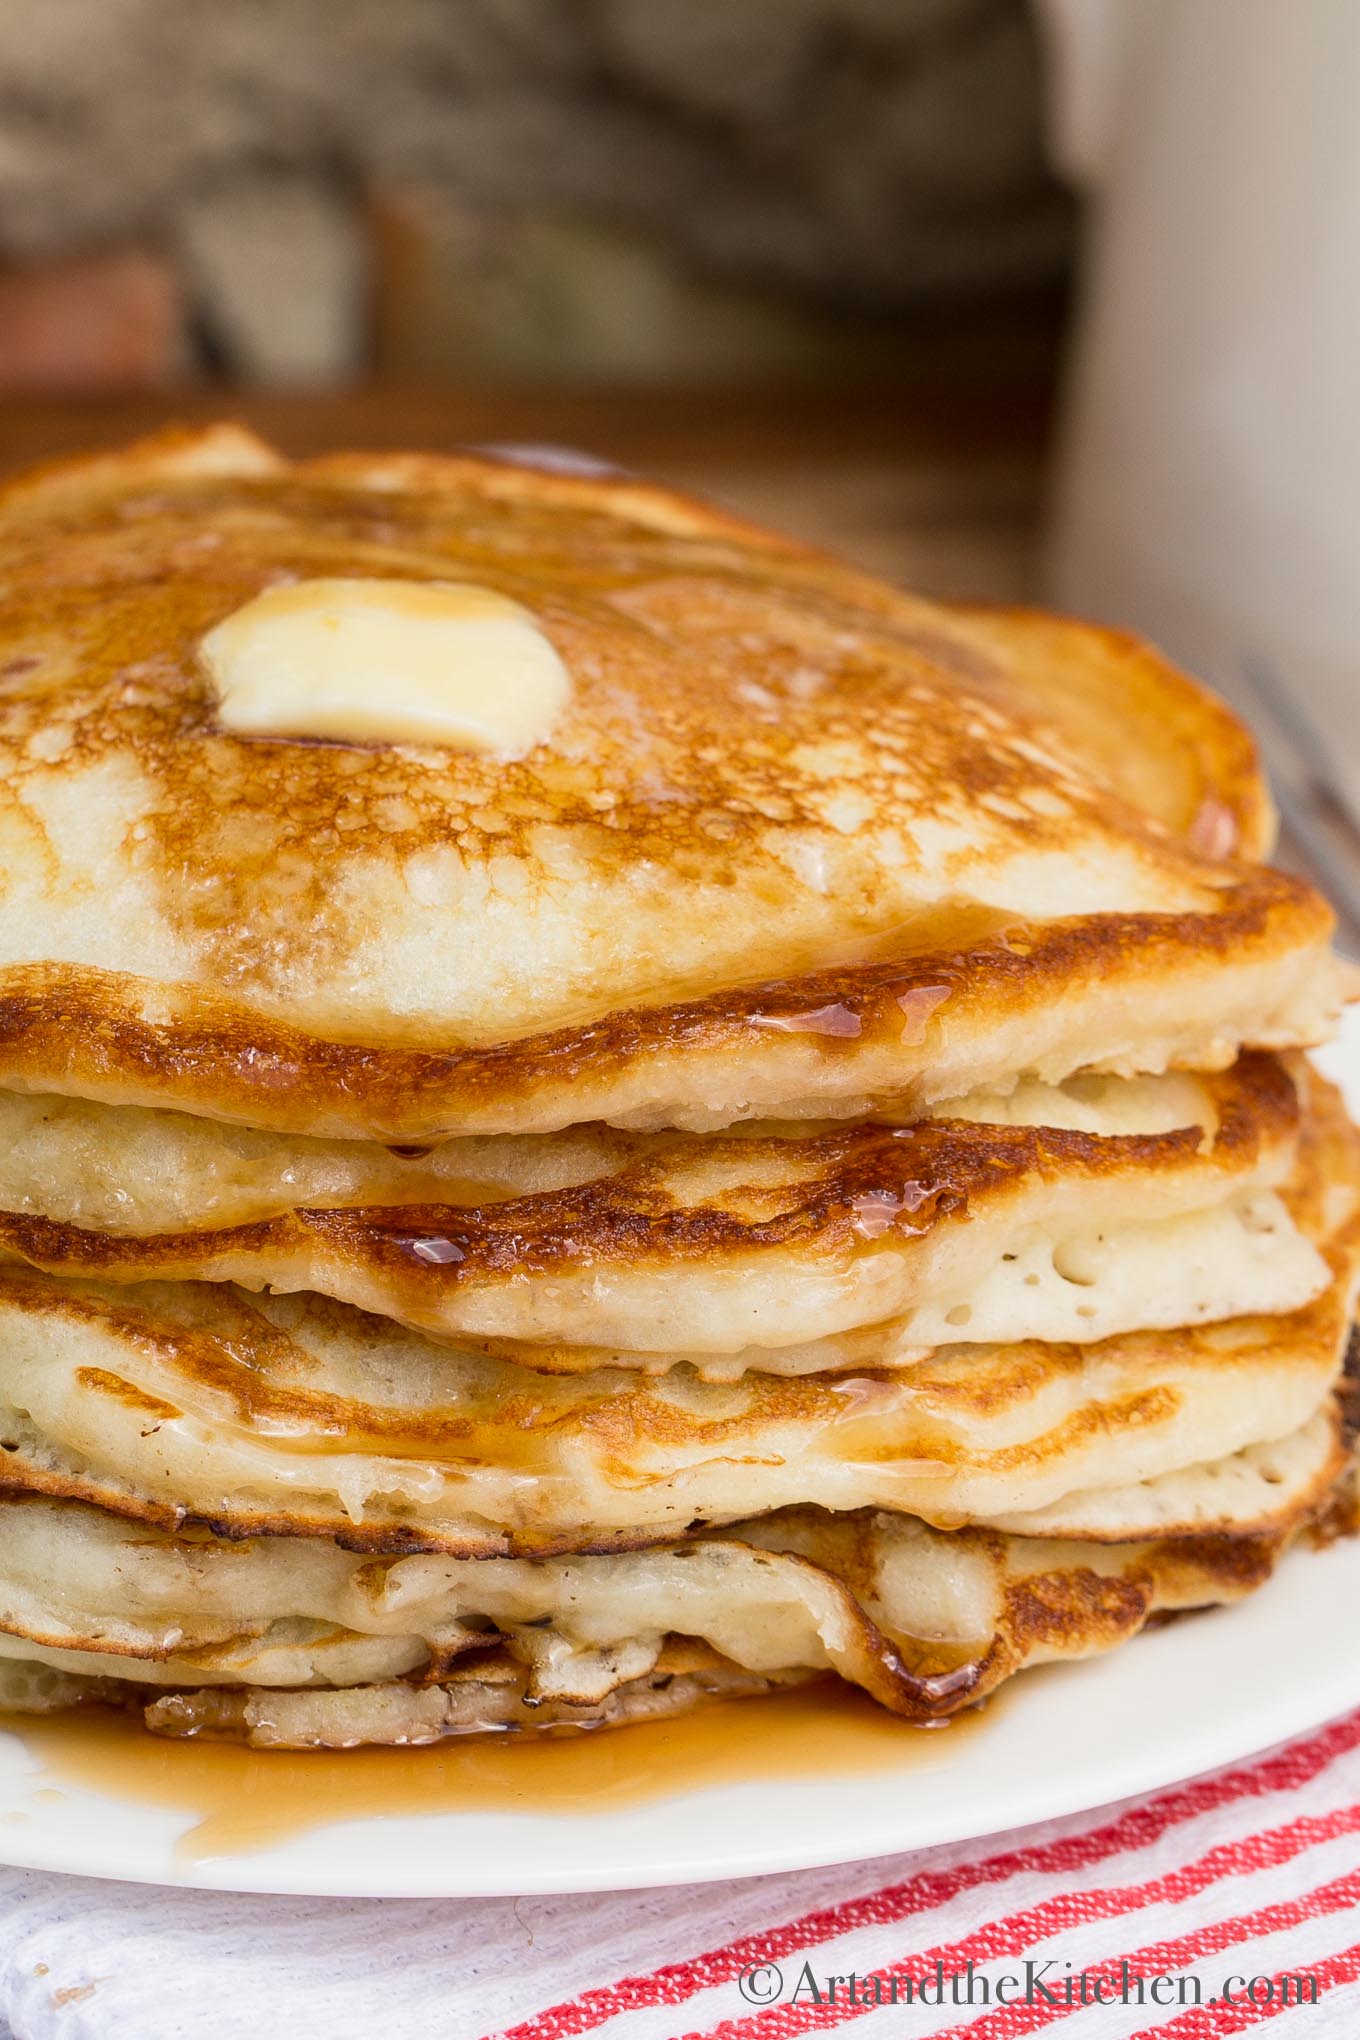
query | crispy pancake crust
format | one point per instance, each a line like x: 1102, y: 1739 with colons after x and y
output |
x: 801, y: 840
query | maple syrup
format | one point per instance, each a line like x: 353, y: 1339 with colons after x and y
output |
x: 242, y: 1800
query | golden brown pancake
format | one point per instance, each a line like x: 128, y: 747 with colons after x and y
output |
x: 798, y: 843
x: 966, y: 1226
x: 362, y: 1439
x: 237, y: 1639
x: 198, y: 1402
x: 1082, y: 1441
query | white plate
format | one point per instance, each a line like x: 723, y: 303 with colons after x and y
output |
x: 1181, y: 1700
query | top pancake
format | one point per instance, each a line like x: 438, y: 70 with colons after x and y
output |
x: 798, y: 843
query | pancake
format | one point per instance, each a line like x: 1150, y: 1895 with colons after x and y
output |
x: 800, y: 843
x: 325, y: 1429
x: 1014, y: 1226
x: 1243, y: 1492
x: 199, y: 1402
x: 598, y: 1111
x: 926, y: 1622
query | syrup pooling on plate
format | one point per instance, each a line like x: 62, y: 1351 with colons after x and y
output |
x: 242, y: 1800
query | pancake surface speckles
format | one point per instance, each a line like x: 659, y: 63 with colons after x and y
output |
x: 798, y: 840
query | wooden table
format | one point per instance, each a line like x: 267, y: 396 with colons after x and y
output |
x: 934, y: 481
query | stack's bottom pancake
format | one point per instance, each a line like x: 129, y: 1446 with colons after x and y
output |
x: 296, y: 1643
x: 286, y: 1521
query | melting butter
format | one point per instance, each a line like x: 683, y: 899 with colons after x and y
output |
x: 397, y: 662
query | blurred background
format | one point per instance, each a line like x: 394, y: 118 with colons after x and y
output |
x: 808, y: 254
x: 1006, y: 298
x: 312, y: 191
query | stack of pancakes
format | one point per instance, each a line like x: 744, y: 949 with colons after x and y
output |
x: 808, y: 1169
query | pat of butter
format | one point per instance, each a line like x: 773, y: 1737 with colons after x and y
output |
x: 396, y: 662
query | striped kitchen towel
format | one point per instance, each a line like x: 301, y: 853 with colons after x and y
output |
x: 1218, y: 1907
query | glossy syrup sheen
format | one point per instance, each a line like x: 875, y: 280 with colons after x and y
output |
x: 243, y: 1800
